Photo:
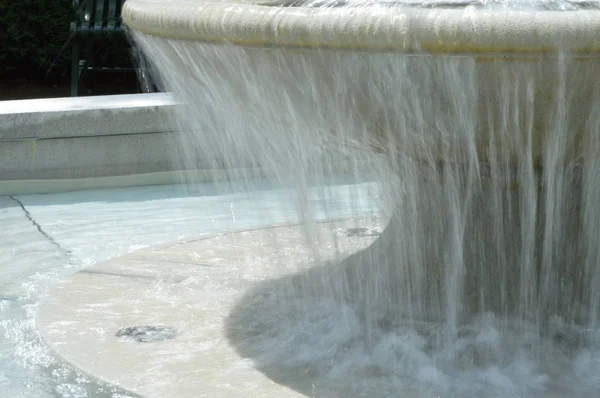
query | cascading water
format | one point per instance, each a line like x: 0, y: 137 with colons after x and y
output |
x: 486, y: 280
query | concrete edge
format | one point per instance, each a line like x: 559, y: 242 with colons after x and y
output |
x: 373, y: 28
x: 82, y: 366
x: 42, y: 320
x: 167, y: 245
x: 48, y: 186
x: 50, y: 118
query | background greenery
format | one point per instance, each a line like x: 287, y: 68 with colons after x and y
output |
x: 32, y: 33
x: 35, y: 53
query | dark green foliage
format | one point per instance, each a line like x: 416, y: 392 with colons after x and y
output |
x: 32, y: 33
x: 34, y: 40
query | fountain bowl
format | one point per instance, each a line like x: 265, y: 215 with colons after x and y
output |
x: 556, y: 52
x: 448, y: 105
x: 446, y: 28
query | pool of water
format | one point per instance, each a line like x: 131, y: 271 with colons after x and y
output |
x: 45, y: 238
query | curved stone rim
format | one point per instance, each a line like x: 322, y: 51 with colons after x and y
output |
x: 382, y: 29
x: 80, y: 318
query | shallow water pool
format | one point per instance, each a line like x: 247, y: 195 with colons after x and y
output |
x: 45, y: 238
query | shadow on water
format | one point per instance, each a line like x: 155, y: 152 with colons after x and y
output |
x: 311, y: 332
x: 368, y: 326
x: 254, y: 328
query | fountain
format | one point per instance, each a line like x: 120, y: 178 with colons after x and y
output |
x: 480, y: 121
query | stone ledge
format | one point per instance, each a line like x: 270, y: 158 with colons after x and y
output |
x: 80, y: 318
x: 87, y: 137
x: 374, y: 28
x: 85, y: 116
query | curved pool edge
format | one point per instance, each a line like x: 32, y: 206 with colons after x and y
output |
x: 404, y: 29
x: 81, y: 367
x: 79, y: 318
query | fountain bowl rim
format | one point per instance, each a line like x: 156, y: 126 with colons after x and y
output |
x: 377, y: 29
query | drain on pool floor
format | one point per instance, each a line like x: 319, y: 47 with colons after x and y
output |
x: 358, y: 232
x: 147, y: 333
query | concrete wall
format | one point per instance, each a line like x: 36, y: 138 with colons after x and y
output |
x: 86, y: 137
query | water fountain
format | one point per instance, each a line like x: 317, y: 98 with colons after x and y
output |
x: 480, y: 120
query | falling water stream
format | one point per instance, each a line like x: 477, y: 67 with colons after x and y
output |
x: 486, y: 280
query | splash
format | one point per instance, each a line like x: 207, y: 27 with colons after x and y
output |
x: 485, y: 281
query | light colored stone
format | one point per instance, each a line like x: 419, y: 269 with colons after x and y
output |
x: 192, y: 286
x: 87, y: 137
x: 374, y: 28
x: 85, y: 116
x: 92, y: 156
x: 554, y: 54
